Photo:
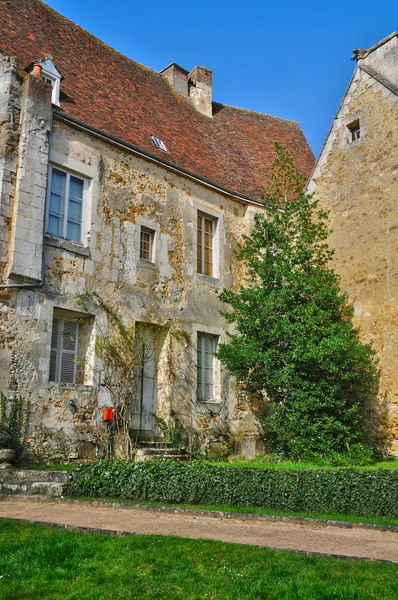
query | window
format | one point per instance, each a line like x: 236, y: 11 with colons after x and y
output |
x: 66, y: 205
x: 355, y: 130
x: 158, y: 143
x: 206, y: 367
x: 146, y: 243
x: 206, y: 229
x: 64, y: 350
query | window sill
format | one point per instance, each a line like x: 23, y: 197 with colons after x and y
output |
x: 215, y: 281
x: 68, y: 245
x: 71, y: 386
x: 146, y: 263
x: 218, y: 402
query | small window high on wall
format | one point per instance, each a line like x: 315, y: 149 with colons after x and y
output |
x: 355, y: 130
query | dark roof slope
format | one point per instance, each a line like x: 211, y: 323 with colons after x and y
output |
x: 109, y: 91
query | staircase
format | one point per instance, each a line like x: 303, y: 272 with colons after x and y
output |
x: 150, y: 449
x: 28, y: 483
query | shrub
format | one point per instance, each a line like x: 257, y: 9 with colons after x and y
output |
x: 14, y: 423
x: 363, y: 492
x: 295, y: 345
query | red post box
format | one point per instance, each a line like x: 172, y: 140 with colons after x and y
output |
x: 107, y: 414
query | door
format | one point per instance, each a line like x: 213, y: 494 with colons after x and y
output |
x: 145, y: 388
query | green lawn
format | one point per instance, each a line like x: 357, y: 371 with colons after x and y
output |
x: 261, y: 462
x: 37, y: 562
x: 289, y: 465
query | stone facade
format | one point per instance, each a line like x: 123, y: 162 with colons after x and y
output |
x: 113, y: 178
x: 356, y: 178
x: 125, y: 193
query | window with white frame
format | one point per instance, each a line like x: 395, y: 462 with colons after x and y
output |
x: 206, y: 229
x: 64, y: 349
x: 66, y: 202
x: 147, y: 237
x: 206, y: 367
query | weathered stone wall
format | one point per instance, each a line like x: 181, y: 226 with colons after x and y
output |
x: 124, y: 193
x: 357, y: 181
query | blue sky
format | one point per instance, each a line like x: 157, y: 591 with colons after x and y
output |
x: 285, y: 58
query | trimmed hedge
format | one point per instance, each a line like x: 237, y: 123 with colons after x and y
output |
x: 363, y: 492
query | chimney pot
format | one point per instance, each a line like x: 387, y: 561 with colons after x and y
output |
x: 37, y: 69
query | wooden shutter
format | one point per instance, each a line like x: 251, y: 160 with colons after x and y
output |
x: 68, y: 351
x: 54, y: 350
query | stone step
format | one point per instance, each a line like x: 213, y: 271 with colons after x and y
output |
x: 151, y: 444
x: 144, y: 454
x: 32, y: 475
x: 160, y: 451
x: 45, y: 483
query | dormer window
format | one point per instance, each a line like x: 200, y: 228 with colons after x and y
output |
x: 158, y: 143
x: 52, y: 77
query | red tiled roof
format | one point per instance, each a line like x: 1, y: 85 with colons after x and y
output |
x: 109, y: 91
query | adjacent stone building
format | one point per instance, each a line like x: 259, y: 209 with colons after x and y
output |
x: 356, y: 178
x: 123, y: 193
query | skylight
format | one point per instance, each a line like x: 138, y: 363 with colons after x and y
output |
x: 158, y: 143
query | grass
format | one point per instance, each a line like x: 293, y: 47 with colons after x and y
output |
x: 40, y: 562
x: 386, y: 521
x: 59, y: 467
x: 262, y: 462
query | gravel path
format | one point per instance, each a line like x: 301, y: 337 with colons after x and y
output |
x: 309, y: 537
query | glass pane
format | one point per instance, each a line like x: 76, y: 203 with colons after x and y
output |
x: 54, y: 225
x: 200, y: 391
x: 75, y: 211
x: 56, y: 203
x: 199, y: 223
x: 208, y: 226
x: 209, y: 360
x: 199, y: 358
x: 58, y: 181
x: 76, y: 188
x: 73, y: 231
x: 208, y: 269
x: 208, y: 240
x: 209, y: 375
x: 209, y: 344
x: 208, y: 392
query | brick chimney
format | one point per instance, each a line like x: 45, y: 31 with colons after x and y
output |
x: 200, y: 90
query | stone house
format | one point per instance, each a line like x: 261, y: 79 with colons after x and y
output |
x: 123, y: 191
x: 356, y: 178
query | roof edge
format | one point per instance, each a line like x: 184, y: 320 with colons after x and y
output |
x: 382, y: 42
x: 153, y: 158
x: 256, y: 112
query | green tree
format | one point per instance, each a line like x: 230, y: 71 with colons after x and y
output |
x: 295, y: 344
